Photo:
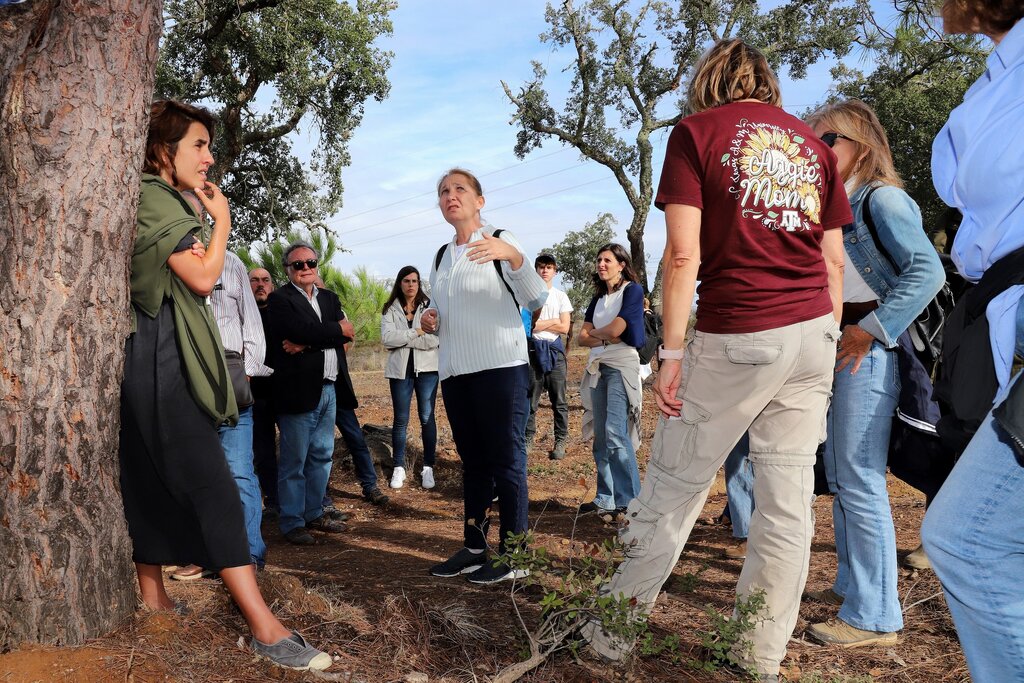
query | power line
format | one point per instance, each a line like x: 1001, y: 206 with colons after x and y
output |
x: 431, y: 192
x: 497, y: 208
x: 431, y: 208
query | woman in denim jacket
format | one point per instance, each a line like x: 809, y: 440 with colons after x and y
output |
x: 412, y: 366
x: 879, y: 304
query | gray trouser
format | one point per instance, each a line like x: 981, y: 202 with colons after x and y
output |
x: 775, y: 385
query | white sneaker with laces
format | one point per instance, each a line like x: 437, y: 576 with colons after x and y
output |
x: 427, y: 476
x: 398, y: 478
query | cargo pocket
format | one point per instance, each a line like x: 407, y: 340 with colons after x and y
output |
x: 638, y: 531
x: 676, y: 439
x: 746, y: 354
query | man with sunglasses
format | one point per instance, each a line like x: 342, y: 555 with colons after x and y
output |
x: 311, y: 381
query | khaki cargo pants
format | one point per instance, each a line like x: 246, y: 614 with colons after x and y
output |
x: 775, y: 385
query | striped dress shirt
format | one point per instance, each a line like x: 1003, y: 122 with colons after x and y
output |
x: 480, y: 326
x: 238, y: 317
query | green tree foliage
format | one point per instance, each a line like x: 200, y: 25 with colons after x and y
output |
x: 362, y: 295
x: 270, y: 69
x: 921, y: 75
x: 576, y: 255
x: 628, y: 67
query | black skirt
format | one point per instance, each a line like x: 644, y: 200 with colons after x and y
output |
x: 180, y: 500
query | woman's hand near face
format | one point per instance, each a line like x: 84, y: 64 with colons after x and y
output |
x: 215, y: 203
x: 492, y: 248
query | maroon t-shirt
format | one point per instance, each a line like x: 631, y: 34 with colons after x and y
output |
x: 768, y: 188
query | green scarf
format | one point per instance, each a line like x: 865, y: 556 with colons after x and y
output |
x: 164, y: 219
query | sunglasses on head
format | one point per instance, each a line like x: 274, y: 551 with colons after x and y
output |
x: 311, y: 263
x: 830, y: 138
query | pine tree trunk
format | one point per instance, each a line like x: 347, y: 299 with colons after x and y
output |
x: 76, y: 79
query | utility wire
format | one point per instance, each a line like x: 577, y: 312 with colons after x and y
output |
x: 338, y: 219
x: 497, y: 208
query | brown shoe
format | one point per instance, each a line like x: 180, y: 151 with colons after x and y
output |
x: 192, y: 573
x: 327, y: 525
x: 917, y: 559
x: 827, y: 596
x: 736, y: 551
x: 838, y: 632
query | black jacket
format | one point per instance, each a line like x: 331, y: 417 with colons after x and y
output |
x: 298, y: 378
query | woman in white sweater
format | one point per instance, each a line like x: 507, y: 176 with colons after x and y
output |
x: 412, y: 366
x: 478, y: 282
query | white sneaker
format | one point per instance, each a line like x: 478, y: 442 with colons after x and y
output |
x: 398, y: 478
x: 428, y: 477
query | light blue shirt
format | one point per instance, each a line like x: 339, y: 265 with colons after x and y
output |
x: 978, y: 167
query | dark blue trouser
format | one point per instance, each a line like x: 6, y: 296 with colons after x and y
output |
x: 487, y: 411
x: 352, y: 433
x: 264, y: 449
x: 425, y: 386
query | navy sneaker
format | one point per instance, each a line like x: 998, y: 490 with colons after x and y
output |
x: 461, y: 562
x: 495, y: 571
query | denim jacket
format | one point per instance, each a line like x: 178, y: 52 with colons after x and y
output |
x: 903, y: 295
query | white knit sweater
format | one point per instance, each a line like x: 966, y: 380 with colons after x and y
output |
x: 480, y: 327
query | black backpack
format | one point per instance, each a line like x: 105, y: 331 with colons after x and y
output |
x: 497, y: 266
x: 926, y: 330
x: 652, y: 337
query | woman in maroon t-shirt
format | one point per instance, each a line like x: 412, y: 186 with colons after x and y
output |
x: 753, y: 203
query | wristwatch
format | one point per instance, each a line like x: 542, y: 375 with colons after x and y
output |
x: 666, y: 354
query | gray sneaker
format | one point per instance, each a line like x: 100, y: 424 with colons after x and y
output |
x: 293, y: 652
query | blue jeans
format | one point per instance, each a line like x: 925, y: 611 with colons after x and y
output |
x: 237, y: 444
x: 362, y: 461
x: 856, y: 453
x: 307, y: 446
x: 425, y: 385
x: 618, y: 479
x: 974, y: 536
x: 739, y: 486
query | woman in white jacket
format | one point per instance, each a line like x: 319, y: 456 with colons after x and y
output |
x: 412, y: 365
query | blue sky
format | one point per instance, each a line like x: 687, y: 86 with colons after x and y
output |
x: 447, y: 108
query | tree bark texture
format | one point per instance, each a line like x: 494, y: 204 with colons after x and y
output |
x: 76, y: 81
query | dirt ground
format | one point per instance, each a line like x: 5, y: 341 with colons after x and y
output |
x: 365, y: 595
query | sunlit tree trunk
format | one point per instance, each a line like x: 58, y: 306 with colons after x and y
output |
x: 76, y: 80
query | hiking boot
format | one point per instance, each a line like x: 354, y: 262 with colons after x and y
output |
x: 588, y: 508
x: 333, y: 513
x: 838, y: 632
x: 327, y: 525
x: 397, y: 478
x: 375, y: 496
x: 299, y: 536
x: 427, y: 477
x: 917, y: 559
x: 462, y: 562
x: 558, y: 452
x: 827, y: 596
x: 192, y: 573
x: 736, y: 551
x: 293, y: 652
x: 495, y: 571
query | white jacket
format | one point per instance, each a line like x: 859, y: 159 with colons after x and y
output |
x: 400, y: 340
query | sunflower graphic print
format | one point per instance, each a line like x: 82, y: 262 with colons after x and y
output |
x: 776, y: 176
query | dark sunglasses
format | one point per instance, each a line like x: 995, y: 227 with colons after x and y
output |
x: 311, y: 263
x: 830, y: 138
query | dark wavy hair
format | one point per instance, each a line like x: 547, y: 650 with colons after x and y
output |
x: 622, y: 256
x: 169, y: 120
x: 396, y: 290
x: 993, y: 16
